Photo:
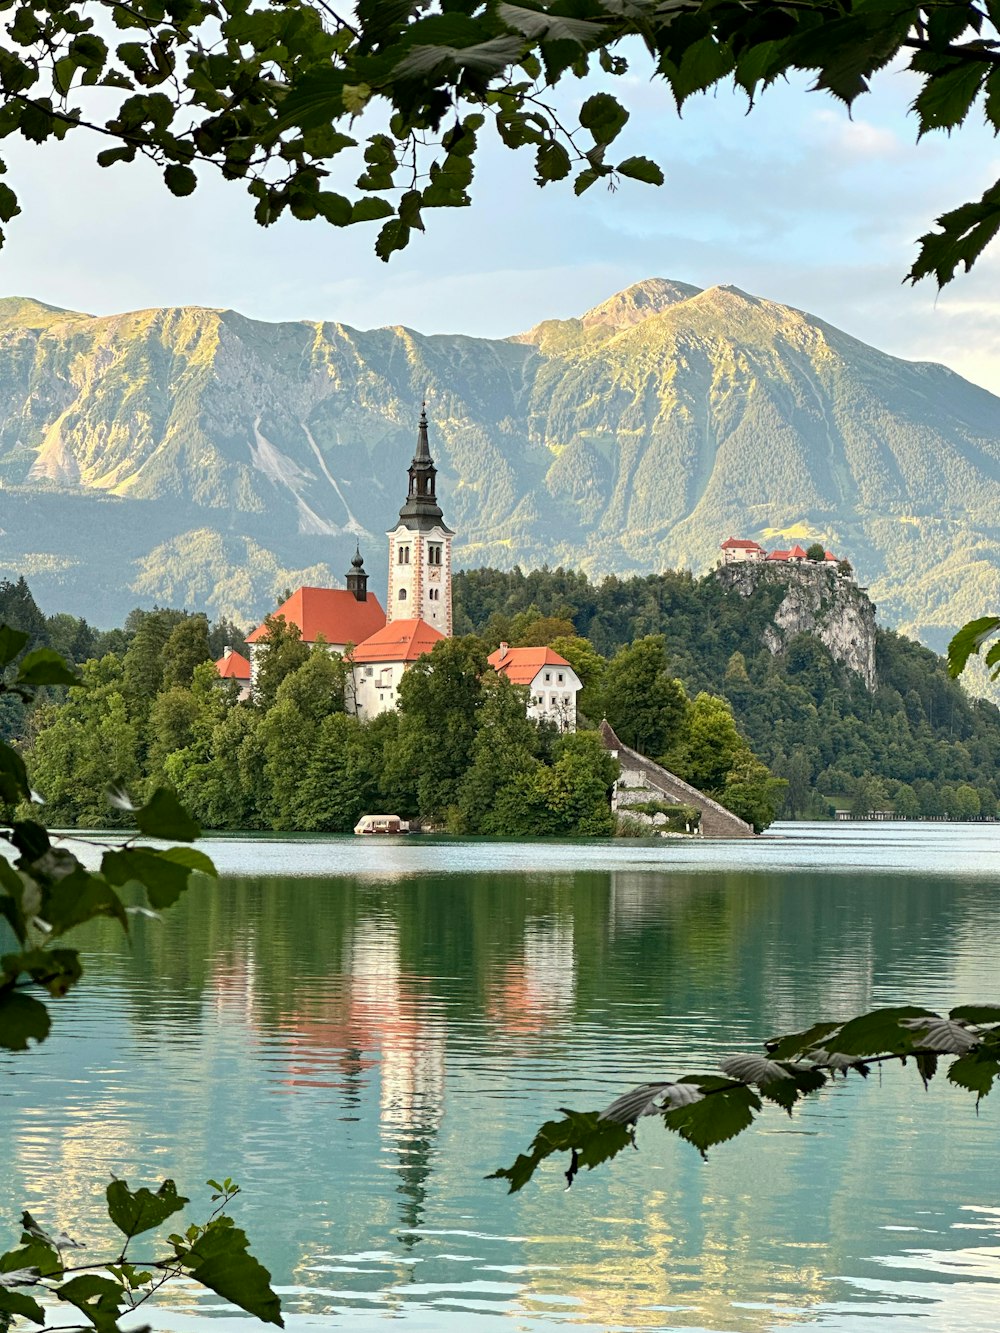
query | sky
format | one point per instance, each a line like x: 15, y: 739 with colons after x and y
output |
x: 796, y: 202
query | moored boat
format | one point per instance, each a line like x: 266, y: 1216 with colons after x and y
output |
x: 381, y: 824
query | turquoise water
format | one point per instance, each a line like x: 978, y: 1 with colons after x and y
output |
x: 360, y: 1030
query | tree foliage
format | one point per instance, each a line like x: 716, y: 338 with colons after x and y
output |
x: 807, y: 717
x: 273, y: 96
x: 708, y: 1109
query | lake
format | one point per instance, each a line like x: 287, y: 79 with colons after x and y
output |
x: 359, y: 1031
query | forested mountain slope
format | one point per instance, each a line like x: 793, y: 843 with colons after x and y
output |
x: 197, y: 457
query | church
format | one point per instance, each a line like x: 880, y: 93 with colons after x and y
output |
x: 418, y: 603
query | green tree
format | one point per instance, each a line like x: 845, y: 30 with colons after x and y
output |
x: 503, y: 757
x: 816, y: 552
x: 590, y: 666
x: 439, y: 701
x: 144, y: 662
x: 185, y: 649
x: 644, y: 704
x: 753, y: 792
x: 279, y: 653
x: 712, y: 746
x: 798, y: 774
x: 966, y: 804
x: 274, y: 99
x: 906, y: 804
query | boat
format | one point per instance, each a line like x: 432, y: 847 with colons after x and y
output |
x: 381, y: 824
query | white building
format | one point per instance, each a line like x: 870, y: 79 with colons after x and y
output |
x: 552, y: 683
x: 379, y: 664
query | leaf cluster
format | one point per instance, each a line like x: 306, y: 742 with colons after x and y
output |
x: 708, y: 1109
x: 285, y: 96
x: 105, y: 1291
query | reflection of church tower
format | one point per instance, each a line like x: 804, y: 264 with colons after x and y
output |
x: 420, y: 547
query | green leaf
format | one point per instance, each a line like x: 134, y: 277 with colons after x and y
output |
x: 99, y: 1299
x: 80, y: 897
x: 335, y: 208
x: 947, y: 97
x: 135, y: 1211
x: 45, y: 666
x: 976, y: 1071
x: 968, y: 640
x: 801, y: 1080
x: 17, y: 1303
x: 33, y: 1252
x: 798, y: 1043
x: 485, y: 58
x: 9, y: 207
x: 604, y: 116
x: 220, y: 1260
x: 14, y: 785
x: 192, y: 859
x: 585, y: 1133
x: 725, y: 1111
x: 163, y: 816
x: 30, y: 839
x: 980, y: 1014
x: 877, y: 1033
x: 57, y: 970
x: 22, y: 1020
x: 163, y: 878
x: 552, y: 162
x: 11, y: 640
x: 927, y: 1063
x: 963, y: 236
x: 180, y: 180
x: 641, y: 169
x: 371, y: 210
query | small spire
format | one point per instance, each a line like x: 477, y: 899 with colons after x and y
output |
x: 423, y: 450
x: 358, y: 561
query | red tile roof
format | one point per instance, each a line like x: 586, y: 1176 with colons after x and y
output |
x: 334, y: 613
x: 522, y: 665
x: 740, y: 544
x: 830, y: 556
x: 399, y: 641
x: 796, y: 553
x: 233, y: 666
x: 778, y: 555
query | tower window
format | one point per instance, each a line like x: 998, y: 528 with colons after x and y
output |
x: 434, y: 553
x: 403, y: 555
x: 402, y: 594
x: 434, y: 594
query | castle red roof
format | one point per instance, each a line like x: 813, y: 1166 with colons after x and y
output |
x: 740, y: 544
x: 399, y: 641
x: 829, y: 556
x: 233, y: 666
x: 522, y: 665
x: 333, y: 613
x: 796, y: 553
x: 778, y: 555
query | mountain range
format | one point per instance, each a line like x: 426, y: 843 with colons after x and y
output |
x: 197, y: 458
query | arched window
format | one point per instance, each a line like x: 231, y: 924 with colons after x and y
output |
x: 402, y: 594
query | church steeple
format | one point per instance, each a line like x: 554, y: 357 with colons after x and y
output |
x: 420, y: 546
x: 357, y: 579
x: 421, y: 510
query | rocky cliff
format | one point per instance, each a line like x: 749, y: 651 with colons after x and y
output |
x: 819, y: 602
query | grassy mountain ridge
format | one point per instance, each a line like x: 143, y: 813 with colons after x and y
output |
x: 633, y: 438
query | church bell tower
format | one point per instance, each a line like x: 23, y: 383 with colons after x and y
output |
x: 420, y: 547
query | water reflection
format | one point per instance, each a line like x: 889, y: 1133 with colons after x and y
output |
x: 360, y: 1051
